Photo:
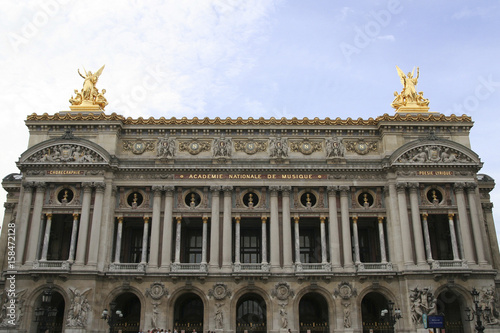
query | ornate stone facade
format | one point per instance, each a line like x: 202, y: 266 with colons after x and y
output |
x: 249, y: 224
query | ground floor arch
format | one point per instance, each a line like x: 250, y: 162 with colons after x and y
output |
x: 450, y: 305
x: 313, y: 313
x: 251, y: 313
x: 48, y: 312
x: 188, y: 313
x: 130, y: 306
x: 371, y: 307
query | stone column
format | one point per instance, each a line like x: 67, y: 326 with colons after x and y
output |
x: 487, y: 208
x: 464, y: 223
x: 237, y: 240
x: 381, y: 235
x: 166, y: 246
x: 46, y: 237
x: 297, y: 240
x: 264, y: 239
x: 476, y: 223
x: 417, y: 229
x: 22, y: 218
x: 428, y: 249
x: 36, y: 223
x: 118, y: 245
x: 204, y: 241
x: 405, y: 224
x: 346, y: 230
x: 227, y: 229
x: 393, y: 225
x: 274, y: 228
x: 96, y: 224
x: 177, y: 258
x: 74, y: 231
x: 333, y: 229
x: 324, y: 258
x: 214, y: 228
x: 287, y: 229
x: 357, y: 259
x: 81, y: 249
x: 145, y: 235
x: 155, y: 227
x: 453, y: 236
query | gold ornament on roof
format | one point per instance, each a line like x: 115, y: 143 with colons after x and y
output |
x: 89, y: 97
x: 409, y: 100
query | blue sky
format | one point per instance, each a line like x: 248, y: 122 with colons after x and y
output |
x: 255, y: 58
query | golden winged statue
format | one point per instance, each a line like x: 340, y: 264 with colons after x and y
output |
x: 90, y: 95
x: 409, y: 95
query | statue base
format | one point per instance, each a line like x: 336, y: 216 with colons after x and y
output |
x: 84, y: 109
x: 413, y: 108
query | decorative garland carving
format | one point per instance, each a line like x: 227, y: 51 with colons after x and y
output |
x: 250, y: 146
x: 66, y: 153
x: 194, y: 147
x: 361, y: 146
x: 138, y: 146
x: 306, y: 146
x: 434, y: 154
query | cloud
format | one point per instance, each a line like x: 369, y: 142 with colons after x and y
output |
x: 387, y: 37
x: 466, y: 13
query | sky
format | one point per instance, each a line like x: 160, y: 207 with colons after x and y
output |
x: 252, y: 58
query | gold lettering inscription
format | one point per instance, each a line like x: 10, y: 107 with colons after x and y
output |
x: 65, y: 172
x: 434, y: 173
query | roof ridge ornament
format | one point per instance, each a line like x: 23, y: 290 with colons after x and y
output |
x: 409, y: 100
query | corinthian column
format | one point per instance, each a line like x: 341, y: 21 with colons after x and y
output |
x: 166, y: 246
x: 287, y: 229
x: 155, y: 228
x: 453, y: 236
x: 468, y: 248
x: 333, y: 226
x: 214, y: 228
x: 417, y: 229
x: 297, y: 241
x: 84, y: 224
x: 204, y: 242
x: 357, y: 259
x: 381, y: 235
x: 36, y: 223
x: 22, y: 218
x: 476, y: 224
x: 74, y: 231
x: 346, y: 230
x: 96, y: 224
x: 145, y: 234
x: 427, y: 237
x: 274, y: 228
x: 405, y: 224
x: 227, y: 232
x: 46, y: 237
x: 177, y: 259
x: 119, y: 231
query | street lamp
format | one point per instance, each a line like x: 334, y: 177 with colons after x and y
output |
x: 478, y: 311
x: 391, y: 315
x: 111, y: 317
x: 45, y: 314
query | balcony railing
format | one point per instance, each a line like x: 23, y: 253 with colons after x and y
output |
x: 189, y: 267
x: 447, y: 264
x: 129, y: 267
x: 374, y: 266
x: 313, y: 267
x: 52, y: 265
x: 245, y: 267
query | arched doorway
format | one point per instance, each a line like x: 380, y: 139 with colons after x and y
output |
x: 49, y: 312
x: 188, y: 313
x: 448, y: 304
x: 130, y: 306
x: 371, y: 308
x: 251, y: 313
x: 313, y: 313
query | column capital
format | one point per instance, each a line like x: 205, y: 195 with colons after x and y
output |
x: 274, y: 190
x: 215, y: 188
x: 471, y: 186
x: 28, y: 185
x: 120, y: 219
x: 75, y: 216
x: 322, y: 219
x: 331, y: 189
x: 156, y: 190
x: 87, y: 186
x: 100, y: 186
x: 488, y: 206
x: 285, y: 190
x: 344, y: 190
x: 169, y: 190
x: 40, y: 186
x: 178, y: 219
x: 204, y: 218
x: 263, y: 219
x: 450, y: 215
x: 354, y: 219
x: 413, y: 186
x: 296, y: 219
x: 227, y: 189
x: 459, y: 187
x: 49, y: 215
x: 237, y: 218
x: 380, y: 219
x: 9, y: 206
x: 401, y: 186
x: 146, y: 219
x: 424, y: 215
